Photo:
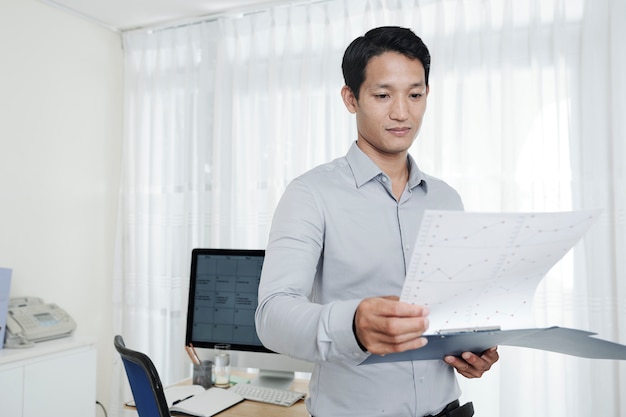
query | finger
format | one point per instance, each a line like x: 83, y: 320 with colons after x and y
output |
x: 473, y: 366
x: 468, y: 365
x: 457, y: 363
x: 391, y: 307
x: 477, y: 363
x: 483, y: 362
x: 491, y: 355
x: 386, y: 325
x: 384, y: 348
x: 394, y: 331
x: 391, y: 319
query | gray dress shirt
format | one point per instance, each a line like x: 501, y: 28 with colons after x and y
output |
x: 338, y: 236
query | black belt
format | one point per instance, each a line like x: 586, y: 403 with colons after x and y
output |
x: 453, y: 410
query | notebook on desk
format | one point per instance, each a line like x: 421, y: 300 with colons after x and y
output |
x: 206, y: 403
x: 194, y: 400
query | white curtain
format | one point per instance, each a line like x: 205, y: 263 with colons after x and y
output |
x: 525, y: 111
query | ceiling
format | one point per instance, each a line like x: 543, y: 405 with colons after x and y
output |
x: 124, y: 15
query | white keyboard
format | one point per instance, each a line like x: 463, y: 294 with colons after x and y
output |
x: 267, y: 395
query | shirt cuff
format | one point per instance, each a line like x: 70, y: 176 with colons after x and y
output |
x: 341, y: 319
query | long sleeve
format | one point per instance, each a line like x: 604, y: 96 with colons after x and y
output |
x: 289, y: 320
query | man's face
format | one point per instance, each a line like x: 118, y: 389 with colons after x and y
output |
x: 391, y: 105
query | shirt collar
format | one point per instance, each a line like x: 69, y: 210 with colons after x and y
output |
x: 364, y: 169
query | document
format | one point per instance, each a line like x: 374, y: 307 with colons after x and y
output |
x: 478, y: 272
x: 482, y: 269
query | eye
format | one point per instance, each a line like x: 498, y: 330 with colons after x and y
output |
x: 381, y: 96
x: 416, y: 95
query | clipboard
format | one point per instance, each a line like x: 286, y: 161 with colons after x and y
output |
x: 554, y: 339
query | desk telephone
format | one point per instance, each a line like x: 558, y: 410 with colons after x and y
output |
x: 30, y: 320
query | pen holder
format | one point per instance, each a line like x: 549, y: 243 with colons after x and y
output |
x: 203, y: 374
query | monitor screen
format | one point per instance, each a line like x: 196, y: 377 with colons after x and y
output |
x: 223, y: 296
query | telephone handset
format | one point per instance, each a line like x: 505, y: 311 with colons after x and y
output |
x: 30, y: 320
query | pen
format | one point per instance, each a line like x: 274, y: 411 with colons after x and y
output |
x: 193, y: 349
x: 181, y: 400
x: 195, y: 354
x: 192, y: 355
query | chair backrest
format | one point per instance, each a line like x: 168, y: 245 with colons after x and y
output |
x: 144, y: 381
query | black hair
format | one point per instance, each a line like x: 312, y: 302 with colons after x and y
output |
x: 376, y: 42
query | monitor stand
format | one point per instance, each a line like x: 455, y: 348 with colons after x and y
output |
x: 274, y: 379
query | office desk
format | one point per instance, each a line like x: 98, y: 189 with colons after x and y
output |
x: 255, y: 409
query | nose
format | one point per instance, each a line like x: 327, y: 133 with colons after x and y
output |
x: 399, y: 109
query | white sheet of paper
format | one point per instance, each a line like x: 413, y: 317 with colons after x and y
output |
x: 482, y: 269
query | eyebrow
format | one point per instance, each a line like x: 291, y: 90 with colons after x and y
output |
x: 388, y: 86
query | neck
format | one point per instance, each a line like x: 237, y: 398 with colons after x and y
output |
x: 395, y: 165
x: 399, y: 176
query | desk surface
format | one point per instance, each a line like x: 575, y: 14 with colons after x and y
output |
x: 252, y: 408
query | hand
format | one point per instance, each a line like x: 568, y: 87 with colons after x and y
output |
x: 471, y: 365
x: 386, y: 325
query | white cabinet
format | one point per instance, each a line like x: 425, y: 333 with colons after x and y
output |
x: 11, y: 381
x: 54, y: 378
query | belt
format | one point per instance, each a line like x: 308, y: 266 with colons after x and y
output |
x: 453, y: 410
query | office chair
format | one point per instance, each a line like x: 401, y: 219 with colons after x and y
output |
x: 144, y: 381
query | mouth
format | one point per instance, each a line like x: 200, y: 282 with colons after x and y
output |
x: 399, y: 131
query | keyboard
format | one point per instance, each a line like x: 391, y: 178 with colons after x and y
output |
x: 275, y: 396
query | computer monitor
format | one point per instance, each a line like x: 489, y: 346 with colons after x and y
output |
x: 223, y: 296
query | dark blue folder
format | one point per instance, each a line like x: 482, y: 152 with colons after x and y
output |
x: 554, y: 339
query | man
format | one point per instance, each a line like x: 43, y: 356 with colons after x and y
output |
x: 340, y: 244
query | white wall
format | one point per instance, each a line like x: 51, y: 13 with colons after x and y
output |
x: 60, y: 155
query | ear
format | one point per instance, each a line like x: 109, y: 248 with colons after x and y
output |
x: 348, y: 99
